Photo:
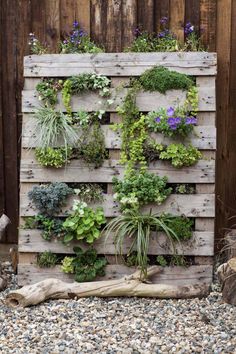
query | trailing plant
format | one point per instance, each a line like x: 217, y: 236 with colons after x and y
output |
x: 140, y: 188
x: 181, y: 225
x: 180, y: 155
x: 82, y: 83
x: 53, y: 157
x: 78, y: 41
x: 35, y: 46
x: 152, y: 150
x: 171, y: 122
x: 162, y: 79
x: 84, y: 223
x: 47, y: 259
x: 138, y: 228
x: 91, y: 145
x: 86, y: 265
x: 90, y: 192
x: 50, y: 198
x: 47, y: 91
x: 53, y: 128
x: 161, y: 260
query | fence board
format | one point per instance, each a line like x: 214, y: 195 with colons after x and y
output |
x: 201, y: 244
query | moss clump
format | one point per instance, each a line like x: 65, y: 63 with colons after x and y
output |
x: 162, y: 79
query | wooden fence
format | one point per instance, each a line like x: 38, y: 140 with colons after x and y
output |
x: 111, y: 23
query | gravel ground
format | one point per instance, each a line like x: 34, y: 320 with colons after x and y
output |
x: 121, y: 325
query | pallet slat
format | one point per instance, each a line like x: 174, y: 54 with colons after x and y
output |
x: 30, y: 274
x: 76, y: 171
x: 201, y: 244
x: 196, y: 205
x: 203, y: 137
x: 146, y: 101
x: 118, y: 64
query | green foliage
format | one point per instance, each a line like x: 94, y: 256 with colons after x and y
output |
x: 138, y: 228
x: 152, y: 150
x: 51, y: 227
x: 191, y: 102
x: 131, y: 259
x: 92, y: 147
x: 29, y: 223
x: 84, y: 223
x: 48, y: 90
x: 53, y: 128
x: 89, y: 192
x: 49, y: 198
x: 181, y: 225
x: 180, y: 155
x: 178, y: 260
x: 161, y: 261
x: 83, y: 83
x: 184, y: 189
x: 47, y: 260
x: 78, y: 41
x: 162, y: 79
x: 86, y: 265
x: 53, y: 157
x: 140, y: 188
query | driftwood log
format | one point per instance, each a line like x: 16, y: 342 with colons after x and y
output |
x: 127, y: 286
x: 227, y: 275
x: 4, y: 221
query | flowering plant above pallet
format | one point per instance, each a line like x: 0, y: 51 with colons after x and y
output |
x: 148, y: 123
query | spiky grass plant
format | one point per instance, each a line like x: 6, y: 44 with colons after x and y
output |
x: 53, y: 128
x: 138, y: 228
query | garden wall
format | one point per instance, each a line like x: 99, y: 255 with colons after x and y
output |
x: 200, y: 206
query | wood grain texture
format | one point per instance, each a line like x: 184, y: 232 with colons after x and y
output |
x: 30, y: 274
x: 119, y: 64
x: 201, y: 244
x: 129, y: 22
x: 77, y: 171
x: 146, y: 15
x: 161, y: 9
x: 177, y: 10
x: 52, y: 9
x: 82, y: 14
x: 208, y: 24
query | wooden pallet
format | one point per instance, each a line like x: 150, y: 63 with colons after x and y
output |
x: 200, y: 206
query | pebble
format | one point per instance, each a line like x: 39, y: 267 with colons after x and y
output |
x: 118, y: 325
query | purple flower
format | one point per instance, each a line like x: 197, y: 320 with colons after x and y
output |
x: 137, y: 32
x: 75, y: 24
x: 171, y: 121
x: 158, y: 119
x: 188, y: 29
x: 191, y: 120
x: 164, y: 20
x: 65, y: 41
x: 173, y: 127
x: 177, y: 120
x: 170, y: 111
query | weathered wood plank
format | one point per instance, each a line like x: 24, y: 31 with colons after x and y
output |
x: 30, y: 274
x: 196, y: 205
x: 118, y: 64
x: 77, y: 171
x: 203, y: 137
x: 177, y: 8
x: 205, y: 224
x: 146, y: 101
x: 201, y: 244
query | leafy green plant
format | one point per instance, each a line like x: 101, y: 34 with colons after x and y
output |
x: 180, y: 155
x: 47, y: 259
x: 84, y: 223
x: 140, y: 188
x: 137, y: 227
x: 51, y: 227
x: 89, y: 192
x: 160, y: 260
x: 53, y: 128
x: 53, y: 157
x: 152, y: 150
x: 91, y: 145
x: 162, y: 79
x: 184, y: 189
x: 82, y: 83
x: 86, y: 265
x: 181, y: 225
x: 36, y: 47
x: 78, y: 41
x: 50, y: 198
x: 47, y: 91
x: 178, y: 260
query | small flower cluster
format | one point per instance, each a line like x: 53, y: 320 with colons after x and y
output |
x: 78, y: 41
x: 79, y: 207
x: 170, y: 122
x: 188, y: 29
x: 165, y: 32
x: 35, y: 46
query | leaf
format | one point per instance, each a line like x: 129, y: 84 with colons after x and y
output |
x: 68, y: 238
